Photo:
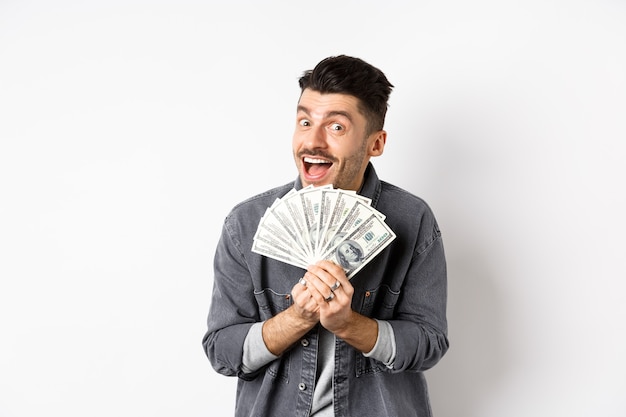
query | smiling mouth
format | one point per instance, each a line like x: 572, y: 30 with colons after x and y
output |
x: 316, y: 167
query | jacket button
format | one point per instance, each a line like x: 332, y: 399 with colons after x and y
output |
x: 301, y: 386
x: 304, y: 342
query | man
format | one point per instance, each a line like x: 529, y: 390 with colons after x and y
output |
x: 313, y: 343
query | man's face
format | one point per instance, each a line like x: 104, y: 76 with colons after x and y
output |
x: 349, y: 252
x: 330, y: 142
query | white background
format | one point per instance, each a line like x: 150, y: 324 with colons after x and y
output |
x: 128, y: 129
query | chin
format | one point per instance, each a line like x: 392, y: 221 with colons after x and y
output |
x: 314, y: 183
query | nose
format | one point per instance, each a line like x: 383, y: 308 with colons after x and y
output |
x: 315, y: 138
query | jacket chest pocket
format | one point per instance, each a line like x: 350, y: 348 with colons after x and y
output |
x: 377, y: 303
x: 271, y: 303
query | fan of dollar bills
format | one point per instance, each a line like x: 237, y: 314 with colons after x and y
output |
x: 319, y: 223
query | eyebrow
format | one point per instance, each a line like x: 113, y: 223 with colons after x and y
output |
x: 331, y: 113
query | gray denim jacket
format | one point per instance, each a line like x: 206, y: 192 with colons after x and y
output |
x: 405, y: 284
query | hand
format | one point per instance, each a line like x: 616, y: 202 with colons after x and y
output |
x: 285, y: 328
x: 303, y: 303
x: 328, y: 286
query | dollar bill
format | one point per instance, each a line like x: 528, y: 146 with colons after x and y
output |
x: 305, y: 205
x: 274, y: 250
x: 334, y: 204
x: 276, y: 229
x: 317, y: 223
x: 356, y: 248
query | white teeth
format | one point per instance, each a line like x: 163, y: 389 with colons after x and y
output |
x: 315, y: 161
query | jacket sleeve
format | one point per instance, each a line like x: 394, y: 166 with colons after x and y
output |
x: 233, y: 309
x: 420, y: 324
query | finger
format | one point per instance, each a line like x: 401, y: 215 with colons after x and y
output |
x: 310, y: 306
x: 326, y: 275
x: 300, y: 294
x: 338, y: 272
x: 319, y: 295
x: 297, y: 289
x: 335, y: 270
x: 334, y: 278
x: 305, y: 305
x: 317, y: 284
x: 301, y: 299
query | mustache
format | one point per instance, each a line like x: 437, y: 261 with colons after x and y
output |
x: 320, y: 154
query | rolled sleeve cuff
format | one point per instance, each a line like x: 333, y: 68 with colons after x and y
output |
x: 255, y: 353
x: 385, y: 348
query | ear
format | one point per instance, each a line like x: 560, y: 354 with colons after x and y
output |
x: 377, y: 146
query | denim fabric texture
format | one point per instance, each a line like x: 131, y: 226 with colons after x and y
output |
x: 405, y: 284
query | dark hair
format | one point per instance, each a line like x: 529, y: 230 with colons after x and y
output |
x: 348, y: 75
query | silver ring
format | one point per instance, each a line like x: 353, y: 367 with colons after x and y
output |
x: 336, y: 285
x: 302, y: 281
x: 330, y: 297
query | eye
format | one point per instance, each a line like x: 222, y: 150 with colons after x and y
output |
x: 336, y: 127
x: 304, y: 122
